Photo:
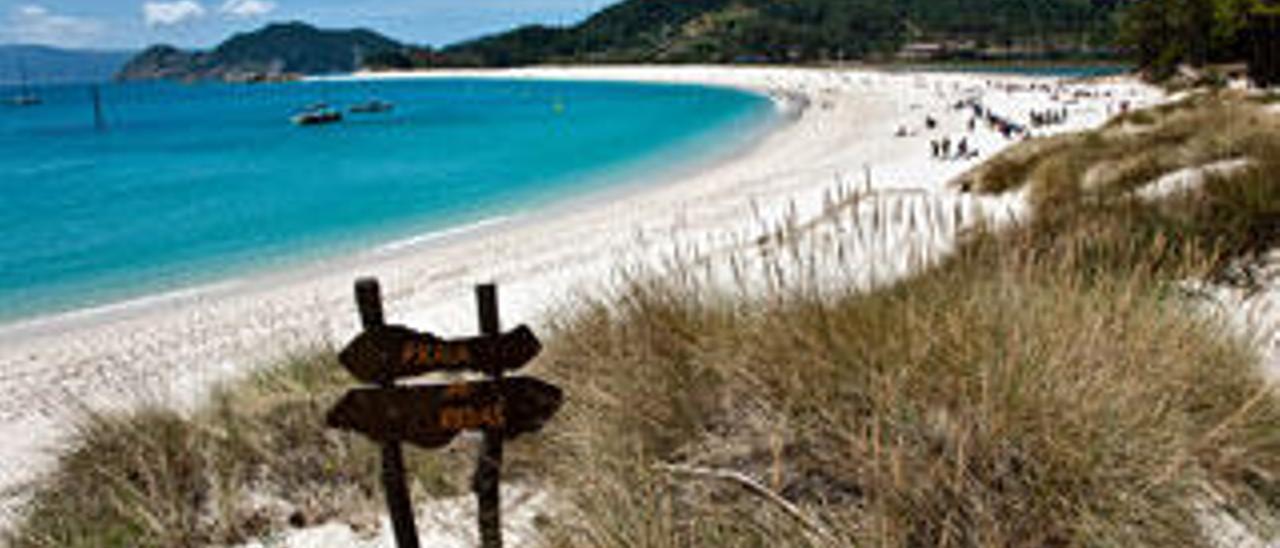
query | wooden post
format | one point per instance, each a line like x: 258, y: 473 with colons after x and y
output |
x: 486, y: 482
x: 369, y: 301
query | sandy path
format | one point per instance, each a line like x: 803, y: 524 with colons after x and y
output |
x: 171, y: 349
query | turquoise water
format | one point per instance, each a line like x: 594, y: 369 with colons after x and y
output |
x: 1055, y: 70
x: 191, y: 184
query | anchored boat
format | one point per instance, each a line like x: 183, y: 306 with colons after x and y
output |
x: 372, y: 107
x: 317, y: 116
x: 25, y: 97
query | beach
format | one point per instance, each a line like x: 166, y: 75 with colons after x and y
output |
x: 837, y: 128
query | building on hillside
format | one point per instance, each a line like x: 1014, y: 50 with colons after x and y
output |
x: 921, y: 51
x: 938, y: 51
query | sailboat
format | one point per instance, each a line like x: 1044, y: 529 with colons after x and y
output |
x: 25, y: 97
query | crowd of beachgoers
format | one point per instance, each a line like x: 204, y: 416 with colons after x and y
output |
x: 1009, y: 119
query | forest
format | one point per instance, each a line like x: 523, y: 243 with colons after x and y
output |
x: 1157, y: 35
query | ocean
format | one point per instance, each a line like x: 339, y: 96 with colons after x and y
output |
x: 1046, y: 69
x: 192, y: 184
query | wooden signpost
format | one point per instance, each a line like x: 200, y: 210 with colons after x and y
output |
x: 431, y: 416
x: 394, y: 352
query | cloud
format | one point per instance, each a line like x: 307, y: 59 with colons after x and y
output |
x: 163, y: 14
x: 34, y: 24
x: 247, y: 9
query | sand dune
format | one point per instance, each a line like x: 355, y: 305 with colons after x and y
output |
x: 837, y: 130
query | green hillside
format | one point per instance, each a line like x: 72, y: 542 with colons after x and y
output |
x: 277, y: 49
x: 798, y: 30
x: 300, y: 48
x: 1156, y: 34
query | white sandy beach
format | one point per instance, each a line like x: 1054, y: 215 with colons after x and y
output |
x: 838, y: 131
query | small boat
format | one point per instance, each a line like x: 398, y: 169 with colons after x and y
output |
x: 317, y: 117
x: 372, y: 107
x: 25, y: 100
x: 26, y: 97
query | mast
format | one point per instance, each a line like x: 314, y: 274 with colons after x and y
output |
x: 99, y: 121
x: 24, y: 87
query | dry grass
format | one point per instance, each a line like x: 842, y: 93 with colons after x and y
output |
x: 1132, y: 150
x: 257, y: 461
x: 1048, y: 385
x: 1010, y: 169
x: 966, y: 407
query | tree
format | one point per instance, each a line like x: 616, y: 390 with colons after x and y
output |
x: 1161, y: 34
x: 1263, y: 38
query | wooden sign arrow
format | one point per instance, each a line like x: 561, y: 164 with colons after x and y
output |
x: 431, y: 416
x: 391, y: 352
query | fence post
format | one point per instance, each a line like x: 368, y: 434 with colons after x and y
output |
x: 487, y: 480
x: 369, y: 301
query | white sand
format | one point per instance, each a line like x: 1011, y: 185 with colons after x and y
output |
x: 170, y: 349
x: 442, y: 523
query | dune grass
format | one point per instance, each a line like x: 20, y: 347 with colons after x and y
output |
x: 1132, y: 150
x: 258, y: 460
x: 1048, y: 384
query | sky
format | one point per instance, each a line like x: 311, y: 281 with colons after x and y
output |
x: 135, y: 24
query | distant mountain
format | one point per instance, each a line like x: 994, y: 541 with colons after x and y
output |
x: 46, y: 65
x: 798, y: 30
x: 677, y: 31
x: 274, y: 51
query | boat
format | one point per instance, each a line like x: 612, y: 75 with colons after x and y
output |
x: 314, y: 117
x: 372, y: 107
x: 26, y: 97
x: 25, y: 100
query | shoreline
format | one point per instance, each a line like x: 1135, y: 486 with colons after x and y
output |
x: 172, y: 351
x: 310, y: 266
x: 618, y: 182
x: 294, y: 269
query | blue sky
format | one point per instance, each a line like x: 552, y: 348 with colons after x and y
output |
x: 132, y: 24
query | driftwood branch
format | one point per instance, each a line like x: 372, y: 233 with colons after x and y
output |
x: 756, y: 488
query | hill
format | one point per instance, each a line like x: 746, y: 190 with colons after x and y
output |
x: 47, y: 65
x: 274, y: 51
x: 800, y: 30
